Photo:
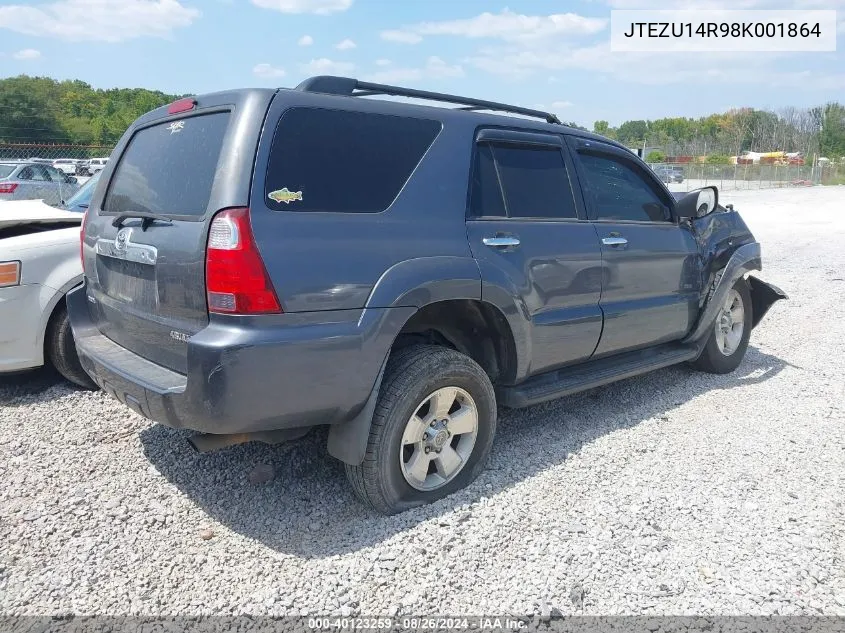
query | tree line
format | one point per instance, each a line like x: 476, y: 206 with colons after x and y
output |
x: 818, y: 131
x: 44, y: 110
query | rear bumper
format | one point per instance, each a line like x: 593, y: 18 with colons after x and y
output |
x: 248, y: 374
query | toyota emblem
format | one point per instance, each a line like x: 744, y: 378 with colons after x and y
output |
x: 122, y: 240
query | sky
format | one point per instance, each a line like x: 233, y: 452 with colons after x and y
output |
x: 546, y: 54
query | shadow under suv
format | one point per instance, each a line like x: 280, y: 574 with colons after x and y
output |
x: 260, y: 262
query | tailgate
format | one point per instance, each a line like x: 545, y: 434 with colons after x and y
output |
x: 146, y: 275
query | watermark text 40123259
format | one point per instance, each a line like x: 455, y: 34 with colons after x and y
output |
x: 722, y: 30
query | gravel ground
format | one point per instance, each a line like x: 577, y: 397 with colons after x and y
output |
x: 673, y: 493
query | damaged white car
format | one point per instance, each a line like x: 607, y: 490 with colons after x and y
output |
x: 39, y: 264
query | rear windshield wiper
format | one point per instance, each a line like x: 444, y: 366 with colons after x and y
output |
x: 146, y: 217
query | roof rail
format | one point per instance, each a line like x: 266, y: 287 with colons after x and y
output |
x: 348, y: 87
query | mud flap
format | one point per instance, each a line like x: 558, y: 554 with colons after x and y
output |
x: 763, y: 297
x: 348, y: 440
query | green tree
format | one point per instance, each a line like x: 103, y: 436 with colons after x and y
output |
x: 655, y: 156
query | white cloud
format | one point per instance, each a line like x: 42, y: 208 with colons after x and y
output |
x: 267, y: 71
x: 507, y: 26
x: 27, y: 54
x: 401, y: 37
x: 383, y: 62
x: 320, y: 7
x: 98, y: 20
x: 678, y: 69
x: 435, y: 68
x: 346, y: 45
x: 560, y: 105
x: 305, y: 40
x: 324, y: 66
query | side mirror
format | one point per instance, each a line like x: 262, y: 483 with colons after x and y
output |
x: 697, y: 204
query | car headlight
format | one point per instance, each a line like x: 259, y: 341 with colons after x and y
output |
x: 10, y: 274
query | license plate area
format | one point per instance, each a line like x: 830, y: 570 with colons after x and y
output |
x: 129, y: 282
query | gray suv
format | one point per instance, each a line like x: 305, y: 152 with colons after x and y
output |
x: 261, y: 262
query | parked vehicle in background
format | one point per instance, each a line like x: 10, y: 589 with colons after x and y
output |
x: 66, y: 165
x: 669, y: 174
x: 39, y: 264
x: 265, y: 261
x: 34, y: 181
x: 82, y: 168
x: 96, y: 165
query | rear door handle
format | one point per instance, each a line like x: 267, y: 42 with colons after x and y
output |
x: 614, y: 241
x: 501, y: 241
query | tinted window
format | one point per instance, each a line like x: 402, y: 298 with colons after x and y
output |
x: 169, y: 168
x: 535, y: 182
x: 618, y: 192
x: 349, y: 162
x: 5, y: 170
x: 486, y: 197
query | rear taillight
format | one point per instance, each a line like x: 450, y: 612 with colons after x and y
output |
x: 235, y: 277
x: 82, y: 238
x: 8, y: 187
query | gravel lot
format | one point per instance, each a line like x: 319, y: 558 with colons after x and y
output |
x: 673, y: 493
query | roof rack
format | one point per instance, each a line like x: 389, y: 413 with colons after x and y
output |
x: 349, y: 87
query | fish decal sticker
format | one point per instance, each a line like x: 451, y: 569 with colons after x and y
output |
x: 283, y: 195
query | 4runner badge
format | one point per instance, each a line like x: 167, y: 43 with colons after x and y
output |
x: 283, y: 195
x: 179, y: 336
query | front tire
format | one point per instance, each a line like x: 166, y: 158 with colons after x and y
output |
x: 728, y: 341
x: 432, y: 430
x: 61, y: 350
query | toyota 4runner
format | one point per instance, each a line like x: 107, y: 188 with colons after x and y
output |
x: 260, y: 262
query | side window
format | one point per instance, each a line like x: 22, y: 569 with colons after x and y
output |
x: 25, y: 174
x: 618, y: 192
x: 55, y: 175
x: 486, y: 197
x: 40, y: 173
x: 535, y: 182
x: 340, y: 161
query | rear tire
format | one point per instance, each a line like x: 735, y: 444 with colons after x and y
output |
x: 436, y: 418
x: 727, y: 344
x: 61, y: 349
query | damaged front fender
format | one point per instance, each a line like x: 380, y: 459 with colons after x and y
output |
x: 763, y: 296
x: 744, y: 259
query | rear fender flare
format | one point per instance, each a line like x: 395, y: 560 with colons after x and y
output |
x: 423, y: 280
x: 413, y: 283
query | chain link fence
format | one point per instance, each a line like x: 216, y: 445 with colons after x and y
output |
x: 50, y: 153
x: 690, y: 176
x: 680, y: 176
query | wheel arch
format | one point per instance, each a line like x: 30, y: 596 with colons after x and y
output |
x: 492, y: 345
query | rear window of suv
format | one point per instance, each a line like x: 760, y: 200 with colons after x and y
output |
x: 169, y: 168
x: 346, y: 162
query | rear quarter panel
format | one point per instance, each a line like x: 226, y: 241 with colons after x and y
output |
x: 333, y: 261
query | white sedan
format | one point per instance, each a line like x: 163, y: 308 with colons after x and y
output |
x: 39, y: 264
